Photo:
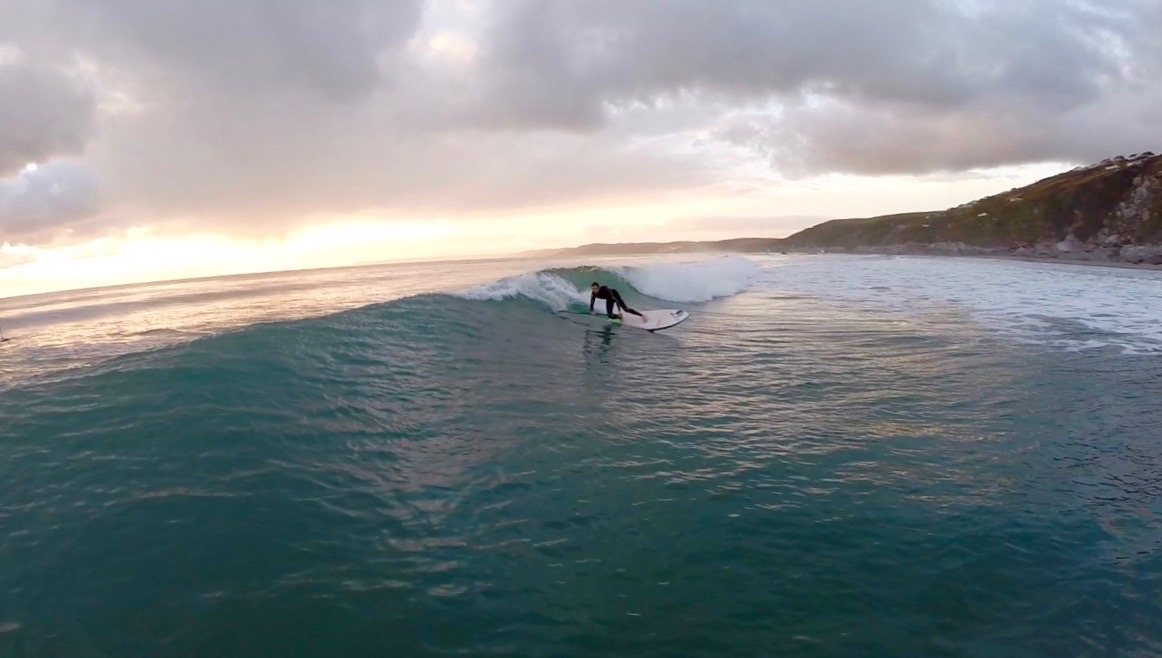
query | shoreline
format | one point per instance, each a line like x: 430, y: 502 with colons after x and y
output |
x: 1085, y: 263
x: 985, y: 255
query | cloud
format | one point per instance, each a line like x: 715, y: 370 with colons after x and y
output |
x: 251, y: 116
x: 217, y: 161
x: 928, y: 53
x: 13, y: 256
x: 46, y: 113
x: 844, y: 85
x: 46, y: 198
x: 330, y: 48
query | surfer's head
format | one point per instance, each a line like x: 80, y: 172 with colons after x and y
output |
x: 596, y: 286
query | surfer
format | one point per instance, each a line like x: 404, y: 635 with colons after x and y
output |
x: 612, y: 300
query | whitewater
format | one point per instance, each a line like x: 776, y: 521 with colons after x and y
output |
x: 835, y: 455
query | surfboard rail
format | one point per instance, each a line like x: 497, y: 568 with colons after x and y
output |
x: 652, y: 320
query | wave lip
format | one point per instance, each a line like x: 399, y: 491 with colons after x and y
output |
x: 701, y: 281
x: 545, y: 287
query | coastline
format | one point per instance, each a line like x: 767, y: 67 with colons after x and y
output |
x: 1070, y: 261
x: 1084, y: 258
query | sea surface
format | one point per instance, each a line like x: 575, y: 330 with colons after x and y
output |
x: 834, y: 456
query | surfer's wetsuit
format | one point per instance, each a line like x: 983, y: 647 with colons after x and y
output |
x: 612, y: 298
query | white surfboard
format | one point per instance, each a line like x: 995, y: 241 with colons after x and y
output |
x: 653, y: 321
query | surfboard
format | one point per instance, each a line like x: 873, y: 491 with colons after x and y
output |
x: 655, y: 320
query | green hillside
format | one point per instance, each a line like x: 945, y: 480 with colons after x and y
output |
x: 1109, y: 205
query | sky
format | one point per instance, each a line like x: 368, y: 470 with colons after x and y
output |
x: 153, y: 139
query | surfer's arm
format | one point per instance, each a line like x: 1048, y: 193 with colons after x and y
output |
x: 592, y: 299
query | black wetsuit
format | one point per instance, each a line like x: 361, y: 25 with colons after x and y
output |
x: 612, y: 298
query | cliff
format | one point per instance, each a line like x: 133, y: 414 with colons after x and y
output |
x: 1111, y: 211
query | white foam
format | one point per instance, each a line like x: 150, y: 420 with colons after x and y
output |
x: 693, y: 282
x: 1061, y: 304
x: 676, y: 282
x: 549, y: 289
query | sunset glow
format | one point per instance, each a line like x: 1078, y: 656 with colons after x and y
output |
x: 177, y: 144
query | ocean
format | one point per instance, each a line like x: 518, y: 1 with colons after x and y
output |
x: 834, y: 456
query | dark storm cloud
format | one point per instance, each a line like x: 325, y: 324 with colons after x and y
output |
x: 248, y: 115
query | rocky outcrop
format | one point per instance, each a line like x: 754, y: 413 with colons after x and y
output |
x: 1110, y: 211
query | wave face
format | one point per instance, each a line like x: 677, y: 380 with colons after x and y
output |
x: 561, y: 289
x: 459, y: 468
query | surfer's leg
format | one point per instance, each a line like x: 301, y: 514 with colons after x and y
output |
x: 609, y: 307
x: 627, y: 309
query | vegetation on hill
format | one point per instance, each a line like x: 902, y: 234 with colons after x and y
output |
x: 1108, y: 206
